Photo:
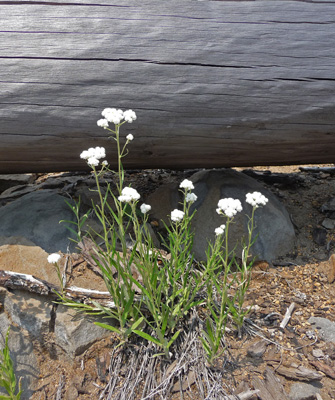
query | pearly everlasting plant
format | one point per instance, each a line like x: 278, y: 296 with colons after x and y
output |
x: 177, y: 215
x: 256, y: 199
x: 53, y: 258
x: 220, y: 230
x: 229, y: 207
x: 93, y: 155
x: 103, y: 123
x: 145, y: 208
x: 186, y: 184
x: 129, y: 194
x: 129, y: 116
x: 191, y: 198
x: 113, y: 115
x: 152, y: 294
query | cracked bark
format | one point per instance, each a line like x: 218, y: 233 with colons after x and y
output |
x: 214, y: 84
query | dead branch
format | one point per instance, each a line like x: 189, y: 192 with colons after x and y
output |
x: 287, y: 316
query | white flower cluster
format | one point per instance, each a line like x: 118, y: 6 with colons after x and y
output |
x: 186, y: 184
x: 256, y: 199
x: 93, y: 155
x: 177, y: 215
x: 128, y: 195
x: 116, y: 116
x: 220, y: 230
x: 145, y: 208
x: 129, y: 116
x: 103, y: 123
x: 191, y: 198
x: 130, y: 137
x: 53, y: 258
x: 229, y: 207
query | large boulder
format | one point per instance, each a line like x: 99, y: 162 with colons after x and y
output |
x: 274, y: 228
x: 36, y: 216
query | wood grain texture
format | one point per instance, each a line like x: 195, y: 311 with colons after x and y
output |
x: 213, y: 83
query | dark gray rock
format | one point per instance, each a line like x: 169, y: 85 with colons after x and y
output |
x: 328, y: 223
x: 75, y: 333
x: 329, y: 207
x: 304, y: 391
x: 325, y: 327
x: 274, y: 228
x: 36, y: 216
x: 38, y: 316
x: 319, y: 236
x: 30, y: 312
x: 7, y: 181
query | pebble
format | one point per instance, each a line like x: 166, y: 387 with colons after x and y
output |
x: 328, y: 223
x: 318, y: 353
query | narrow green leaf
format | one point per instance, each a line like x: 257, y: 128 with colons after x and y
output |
x: 109, y: 327
x: 148, y: 337
x: 174, y: 337
x: 137, y: 323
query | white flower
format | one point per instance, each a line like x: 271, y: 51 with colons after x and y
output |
x: 191, y: 198
x: 220, y: 230
x: 93, y: 155
x: 86, y: 154
x: 53, y: 258
x: 100, y: 152
x: 93, y: 162
x: 113, y: 115
x: 129, y: 116
x: 177, y: 215
x: 145, y: 208
x: 95, y: 152
x: 186, y: 184
x: 129, y: 194
x: 105, y: 163
x: 103, y: 123
x: 229, y: 207
x: 130, y: 137
x: 256, y: 199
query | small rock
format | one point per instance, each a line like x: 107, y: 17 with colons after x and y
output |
x: 71, y: 393
x: 328, y: 223
x: 325, y: 326
x: 329, y: 207
x: 317, y: 353
x: 7, y: 181
x: 319, y: 236
x: 304, y: 391
x: 257, y: 349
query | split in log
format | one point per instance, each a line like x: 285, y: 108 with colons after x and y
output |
x: 214, y: 84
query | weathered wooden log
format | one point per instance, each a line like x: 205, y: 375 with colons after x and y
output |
x: 213, y: 83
